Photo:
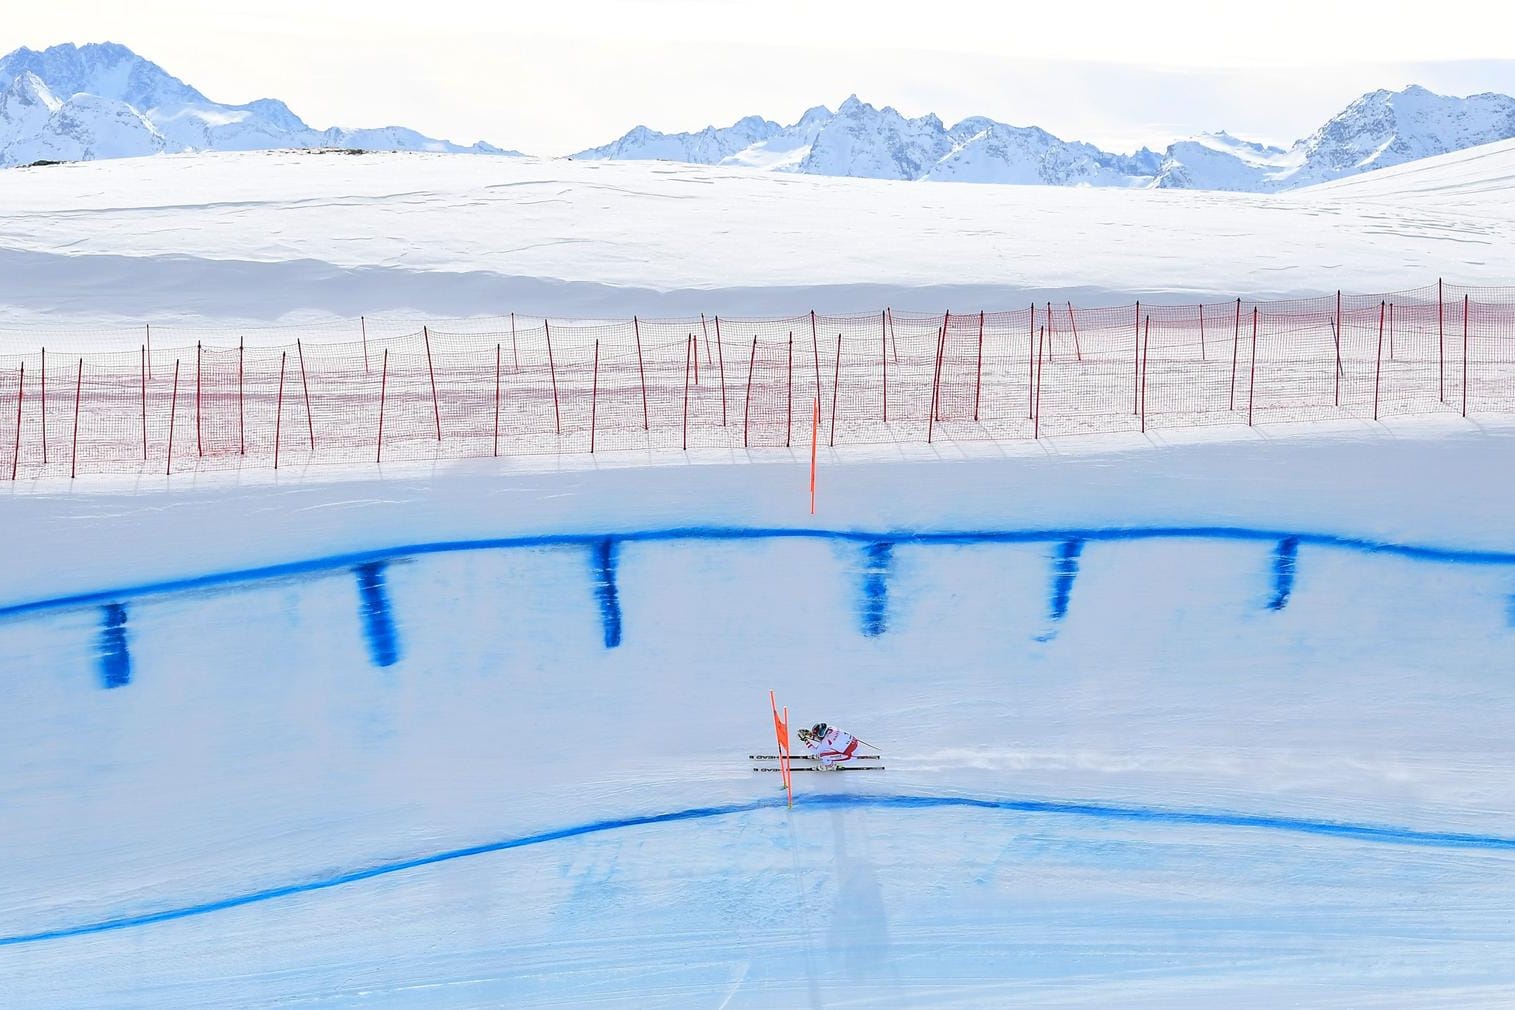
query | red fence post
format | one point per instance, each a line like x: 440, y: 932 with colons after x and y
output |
x: 241, y: 411
x: 383, y: 388
x: 515, y: 352
x: 594, y: 395
x: 883, y: 356
x: 199, y: 438
x: 279, y: 409
x: 705, y: 329
x: 436, y: 408
x: 720, y: 356
x: 363, y: 324
x: 746, y: 408
x: 789, y: 397
x: 1031, y: 354
x: 836, y: 381
x: 1378, y: 365
x: 1078, y: 352
x: 148, y: 352
x: 44, y: 406
x: 305, y: 382
x: 636, y: 327
x: 20, y: 395
x: 1235, y: 338
x: 173, y: 410
x: 73, y: 463
x: 936, y: 377
x: 1036, y: 407
x: 1136, y: 364
x: 497, y: 398
x: 815, y: 351
x: 144, y: 403
x: 1146, y: 343
x: 1201, y: 331
x: 688, y: 352
x: 978, y: 375
x: 1464, y: 355
x: 553, y: 369
x: 1338, y: 347
x: 1252, y: 370
x: 1441, y: 341
x: 1051, y: 329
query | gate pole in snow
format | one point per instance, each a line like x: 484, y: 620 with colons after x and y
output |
x: 689, y: 352
x: 436, y: 409
x: 720, y: 357
x: 497, y: 398
x: 363, y: 324
x: 383, y: 388
x: 241, y: 410
x: 279, y: 408
x: 304, y: 382
x: 1201, y: 331
x: 1252, y: 370
x: 1136, y: 365
x: 1235, y: 337
x: 1036, y: 409
x: 144, y: 404
x: 836, y: 380
x: 1146, y: 342
x: 1464, y: 355
x: 883, y: 356
x: 1441, y: 338
x: 789, y: 396
x: 636, y: 327
x: 199, y: 438
x: 594, y: 395
x: 978, y: 375
x: 705, y: 329
x: 815, y: 351
x: 148, y: 351
x: 1078, y: 352
x: 73, y: 463
x: 515, y: 352
x: 44, y: 406
x: 1051, y: 330
x: 936, y: 378
x: 747, y: 407
x: 815, y: 438
x: 20, y: 393
x: 557, y: 417
x: 1031, y: 365
x: 1378, y: 364
x: 173, y: 409
x: 1338, y: 347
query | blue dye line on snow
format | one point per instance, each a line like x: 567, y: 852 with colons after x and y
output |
x: 1284, y: 561
x: 1376, y: 834
x: 602, y: 561
x: 336, y: 563
x: 1064, y: 571
x: 115, y: 659
x: 877, y: 559
x: 378, y: 616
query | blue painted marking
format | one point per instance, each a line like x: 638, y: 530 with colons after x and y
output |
x: 378, y: 618
x: 1064, y: 571
x: 115, y: 660
x: 337, y: 563
x: 602, y: 563
x: 1284, y: 559
x: 1369, y: 833
x: 878, y: 557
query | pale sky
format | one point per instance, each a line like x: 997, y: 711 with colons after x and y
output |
x: 554, y: 77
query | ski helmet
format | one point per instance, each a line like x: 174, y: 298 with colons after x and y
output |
x: 819, y: 729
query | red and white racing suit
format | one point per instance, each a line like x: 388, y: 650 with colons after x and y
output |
x: 833, y: 747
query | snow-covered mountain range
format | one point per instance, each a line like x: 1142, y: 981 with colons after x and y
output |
x: 1379, y: 129
x: 78, y: 103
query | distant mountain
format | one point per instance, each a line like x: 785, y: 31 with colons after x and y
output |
x: 72, y: 103
x: 1380, y: 129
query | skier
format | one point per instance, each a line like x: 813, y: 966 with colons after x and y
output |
x: 829, y: 745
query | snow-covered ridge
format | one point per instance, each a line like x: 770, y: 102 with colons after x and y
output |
x: 1379, y: 129
x: 81, y: 103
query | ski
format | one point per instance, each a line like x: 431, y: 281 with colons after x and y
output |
x: 808, y: 757
x: 813, y: 768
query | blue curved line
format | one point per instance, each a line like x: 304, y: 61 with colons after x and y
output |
x: 337, y: 563
x: 1378, y: 834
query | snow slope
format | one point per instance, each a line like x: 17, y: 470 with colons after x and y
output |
x: 1203, y: 723
x: 258, y: 237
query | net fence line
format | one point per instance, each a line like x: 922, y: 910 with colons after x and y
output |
x: 1048, y: 369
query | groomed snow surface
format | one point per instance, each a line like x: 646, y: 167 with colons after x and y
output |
x: 1204, y: 723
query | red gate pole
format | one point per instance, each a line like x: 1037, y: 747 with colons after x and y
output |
x: 1235, y: 337
x: 706, y: 331
x: 553, y: 368
x: 1252, y: 371
x: 44, y: 406
x: 241, y: 413
x: 1078, y: 352
x: 309, y: 419
x: 688, y: 352
x: 594, y: 395
x: 1441, y: 354
x: 149, y: 349
x: 746, y: 408
x: 363, y: 324
x: 1391, y: 331
x: 1338, y: 347
x: 1378, y: 365
x: 883, y: 356
x: 1036, y: 409
x: 1031, y: 353
x: 144, y: 403
x: 894, y: 344
x: 436, y: 409
x: 695, y: 355
x: 497, y: 398
x: 815, y: 438
x: 73, y: 463
x: 836, y: 380
x: 383, y: 388
x: 1146, y: 343
x: 720, y: 356
x: 1464, y: 355
x: 279, y: 409
x: 936, y: 376
x: 199, y: 439
x: 789, y: 409
x: 1051, y: 329
x: 1201, y: 331
x: 515, y: 352
x: 173, y: 410
x: 1136, y: 365
x: 636, y: 327
x: 978, y: 375
x: 20, y: 395
x: 941, y: 357
x: 815, y: 351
